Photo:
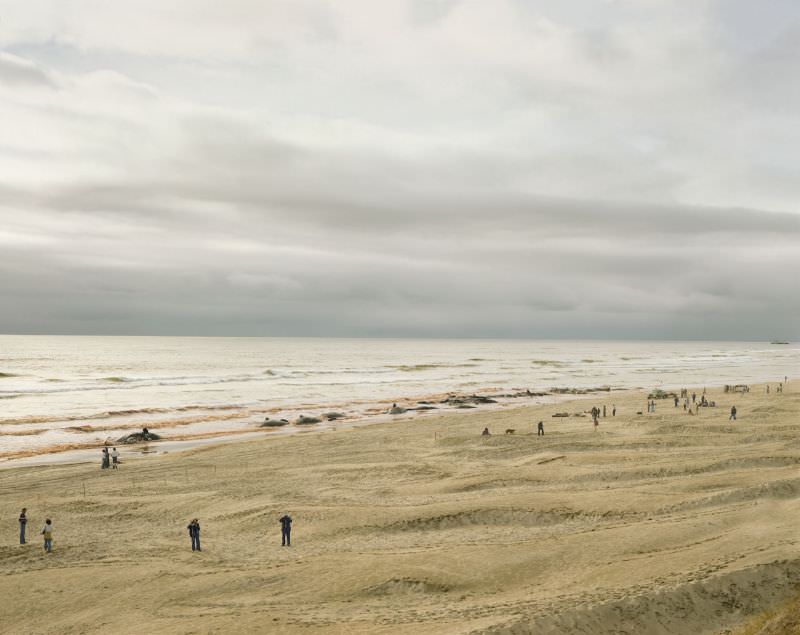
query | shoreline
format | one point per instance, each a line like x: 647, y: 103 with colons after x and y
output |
x: 370, y: 413
x: 376, y: 415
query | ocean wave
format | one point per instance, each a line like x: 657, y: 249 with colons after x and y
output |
x: 131, y: 383
x: 98, y: 416
x: 432, y: 366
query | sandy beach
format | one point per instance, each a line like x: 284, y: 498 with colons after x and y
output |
x: 654, y: 523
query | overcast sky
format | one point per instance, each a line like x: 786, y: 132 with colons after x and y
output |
x: 501, y: 168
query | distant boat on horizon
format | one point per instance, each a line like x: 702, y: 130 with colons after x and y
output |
x: 778, y: 342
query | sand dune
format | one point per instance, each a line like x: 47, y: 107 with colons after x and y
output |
x: 660, y: 523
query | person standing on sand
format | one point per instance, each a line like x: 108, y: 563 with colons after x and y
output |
x: 614, y: 410
x: 194, y: 534
x: 733, y: 414
x: 286, y: 530
x: 23, y: 521
x: 540, y: 429
x: 694, y: 397
x: 676, y: 402
x: 105, y: 463
x: 47, y: 532
x: 604, y: 411
x: 114, y: 458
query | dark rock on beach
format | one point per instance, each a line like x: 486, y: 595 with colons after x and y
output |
x: 461, y: 400
x: 274, y: 423
x: 579, y: 391
x: 523, y: 393
x: 396, y: 410
x: 306, y: 421
x: 661, y: 394
x: 138, y: 437
x: 333, y: 416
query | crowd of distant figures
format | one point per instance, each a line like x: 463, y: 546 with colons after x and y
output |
x: 691, y: 405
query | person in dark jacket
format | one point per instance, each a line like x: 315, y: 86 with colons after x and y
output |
x: 286, y: 530
x: 540, y: 429
x: 23, y: 521
x: 194, y: 534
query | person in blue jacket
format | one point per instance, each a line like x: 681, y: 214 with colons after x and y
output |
x: 286, y: 530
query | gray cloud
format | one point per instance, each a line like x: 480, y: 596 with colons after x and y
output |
x: 17, y: 71
x: 436, y: 170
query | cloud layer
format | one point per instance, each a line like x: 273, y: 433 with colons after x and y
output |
x: 444, y: 168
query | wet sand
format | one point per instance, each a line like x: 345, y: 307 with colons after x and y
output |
x: 659, y: 523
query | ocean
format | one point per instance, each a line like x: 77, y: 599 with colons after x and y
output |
x: 62, y: 393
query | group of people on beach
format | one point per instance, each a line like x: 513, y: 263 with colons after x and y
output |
x: 46, y: 532
x: 596, y: 414
x: 109, y: 459
x: 193, y: 527
x: 286, y: 532
x: 696, y: 404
